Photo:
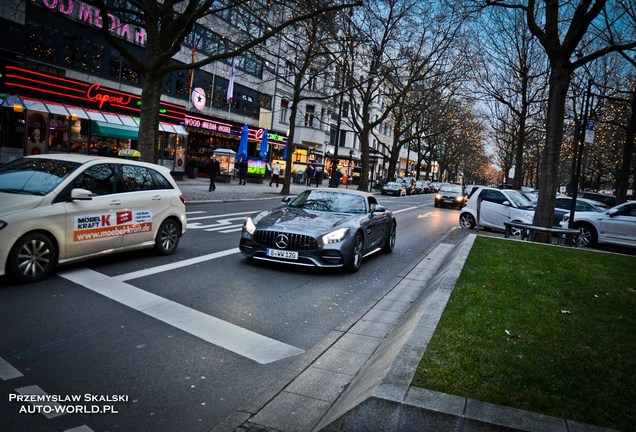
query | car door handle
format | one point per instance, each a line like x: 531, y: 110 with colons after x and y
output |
x: 156, y: 197
x: 115, y: 202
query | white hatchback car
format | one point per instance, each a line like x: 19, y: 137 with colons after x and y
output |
x: 497, y: 206
x: 616, y: 226
x: 60, y: 208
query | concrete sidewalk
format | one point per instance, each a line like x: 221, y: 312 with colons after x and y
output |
x: 196, y: 190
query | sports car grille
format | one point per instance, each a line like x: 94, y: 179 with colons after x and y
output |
x: 297, y: 242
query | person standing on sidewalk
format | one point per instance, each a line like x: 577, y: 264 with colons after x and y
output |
x: 309, y: 173
x: 275, y: 174
x: 319, y: 176
x: 214, y: 168
x: 242, y: 171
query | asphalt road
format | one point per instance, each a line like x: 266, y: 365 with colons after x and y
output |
x: 179, y: 343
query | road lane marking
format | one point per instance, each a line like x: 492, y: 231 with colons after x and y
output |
x: 7, y: 371
x: 36, y: 390
x: 246, y: 343
x: 82, y: 428
x: 217, y: 216
x: 406, y: 209
x: 231, y: 230
x: 167, y: 267
x: 217, y: 225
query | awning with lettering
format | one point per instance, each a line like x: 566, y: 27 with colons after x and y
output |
x: 116, y: 124
x: 114, y: 130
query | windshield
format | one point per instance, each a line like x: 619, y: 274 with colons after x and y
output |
x: 34, y: 176
x: 519, y: 200
x: 451, y: 188
x: 327, y: 201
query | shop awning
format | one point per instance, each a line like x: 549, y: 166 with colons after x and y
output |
x: 114, y: 130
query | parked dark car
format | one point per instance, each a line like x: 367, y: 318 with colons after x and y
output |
x: 394, y: 188
x: 563, y: 205
x: 450, y: 195
x: 608, y: 200
x: 320, y: 227
x: 409, y: 184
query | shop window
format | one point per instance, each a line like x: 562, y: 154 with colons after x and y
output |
x: 59, y: 130
x: 114, y: 69
x: 129, y: 73
x: 41, y: 41
x: 181, y: 83
x: 309, y: 115
x: 284, y: 110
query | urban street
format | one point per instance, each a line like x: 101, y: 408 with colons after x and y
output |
x: 174, y: 349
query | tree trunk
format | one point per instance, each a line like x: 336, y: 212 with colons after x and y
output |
x: 622, y: 183
x: 549, y: 175
x: 149, y: 117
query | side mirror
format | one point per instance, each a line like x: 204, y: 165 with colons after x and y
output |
x: 79, y: 194
x: 612, y: 212
x: 377, y: 208
x: 287, y: 199
x: 506, y: 203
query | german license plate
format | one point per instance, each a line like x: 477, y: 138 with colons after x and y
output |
x: 276, y: 253
x: 449, y: 200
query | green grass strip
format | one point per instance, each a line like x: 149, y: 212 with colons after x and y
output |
x: 545, y: 329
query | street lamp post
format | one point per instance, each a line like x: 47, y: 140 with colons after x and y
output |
x: 336, y: 143
x: 577, y: 174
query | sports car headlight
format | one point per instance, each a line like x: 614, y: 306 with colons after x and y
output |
x: 249, y: 226
x: 335, y: 236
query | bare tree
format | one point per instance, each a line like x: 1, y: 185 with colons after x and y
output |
x: 167, y: 23
x: 564, y: 29
x: 397, y: 44
x: 513, y: 73
x: 309, y: 45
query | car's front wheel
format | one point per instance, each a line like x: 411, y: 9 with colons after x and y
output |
x: 356, y: 254
x: 32, y: 258
x: 389, y: 244
x: 587, y: 235
x: 168, y: 237
x: 466, y: 221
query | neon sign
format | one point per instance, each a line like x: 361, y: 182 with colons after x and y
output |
x: 80, y: 11
x: 89, y: 95
x: 231, y: 129
x: 103, y: 97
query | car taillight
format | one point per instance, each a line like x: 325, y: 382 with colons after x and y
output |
x: 182, y: 198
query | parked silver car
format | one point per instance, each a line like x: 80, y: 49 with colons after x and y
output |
x: 616, y: 226
x: 322, y: 228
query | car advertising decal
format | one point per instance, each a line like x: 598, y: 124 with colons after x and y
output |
x: 104, y: 225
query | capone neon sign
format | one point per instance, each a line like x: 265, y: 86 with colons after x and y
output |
x: 101, y: 96
x: 80, y: 11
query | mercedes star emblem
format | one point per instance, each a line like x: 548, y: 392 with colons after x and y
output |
x: 282, y: 241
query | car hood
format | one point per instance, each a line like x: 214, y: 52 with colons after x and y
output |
x: 13, y: 203
x: 301, y: 221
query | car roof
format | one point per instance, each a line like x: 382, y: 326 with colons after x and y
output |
x: 82, y: 159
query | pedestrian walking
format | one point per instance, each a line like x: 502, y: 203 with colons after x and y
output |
x: 241, y: 167
x: 275, y: 174
x: 214, y: 168
x: 319, y: 175
x: 310, y: 174
x: 334, y: 182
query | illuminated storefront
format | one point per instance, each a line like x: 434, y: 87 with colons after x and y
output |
x: 45, y: 113
x: 207, y: 135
